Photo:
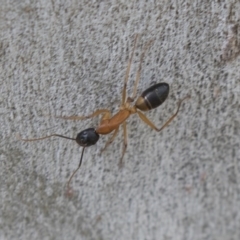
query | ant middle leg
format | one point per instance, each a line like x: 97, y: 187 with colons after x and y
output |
x: 120, y: 164
x: 149, y: 123
x: 131, y: 99
x: 128, y: 71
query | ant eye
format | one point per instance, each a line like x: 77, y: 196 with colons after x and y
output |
x: 87, y: 137
x: 83, y: 138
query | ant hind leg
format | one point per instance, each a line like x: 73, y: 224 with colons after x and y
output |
x: 149, y: 123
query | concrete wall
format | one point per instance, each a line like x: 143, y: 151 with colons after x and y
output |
x: 63, y: 58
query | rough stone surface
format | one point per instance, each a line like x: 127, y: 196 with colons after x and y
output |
x: 63, y: 58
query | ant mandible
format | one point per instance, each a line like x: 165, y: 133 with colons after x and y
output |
x: 151, y: 98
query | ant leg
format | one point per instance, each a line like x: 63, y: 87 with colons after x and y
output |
x: 106, y: 115
x: 149, y: 123
x: 127, y: 72
x: 96, y: 113
x: 110, y: 140
x: 120, y: 164
x: 139, y: 71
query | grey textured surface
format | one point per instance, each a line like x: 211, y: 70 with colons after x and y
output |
x: 69, y: 57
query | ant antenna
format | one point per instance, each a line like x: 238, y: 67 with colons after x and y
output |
x: 57, y: 135
x: 85, y: 138
x: 42, y: 138
x: 79, y: 165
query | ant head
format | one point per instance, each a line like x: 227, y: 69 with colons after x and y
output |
x: 87, y: 137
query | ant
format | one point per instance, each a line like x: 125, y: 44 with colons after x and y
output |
x: 151, y: 98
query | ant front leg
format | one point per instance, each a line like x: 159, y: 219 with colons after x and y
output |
x: 110, y: 140
x: 104, y: 112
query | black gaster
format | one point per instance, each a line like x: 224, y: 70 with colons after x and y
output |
x: 87, y: 137
x: 155, y: 95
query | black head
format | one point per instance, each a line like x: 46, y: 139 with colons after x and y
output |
x: 87, y: 137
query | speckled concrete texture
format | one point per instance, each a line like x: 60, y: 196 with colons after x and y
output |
x: 63, y: 58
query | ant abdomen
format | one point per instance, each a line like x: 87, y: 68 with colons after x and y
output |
x: 152, y: 97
